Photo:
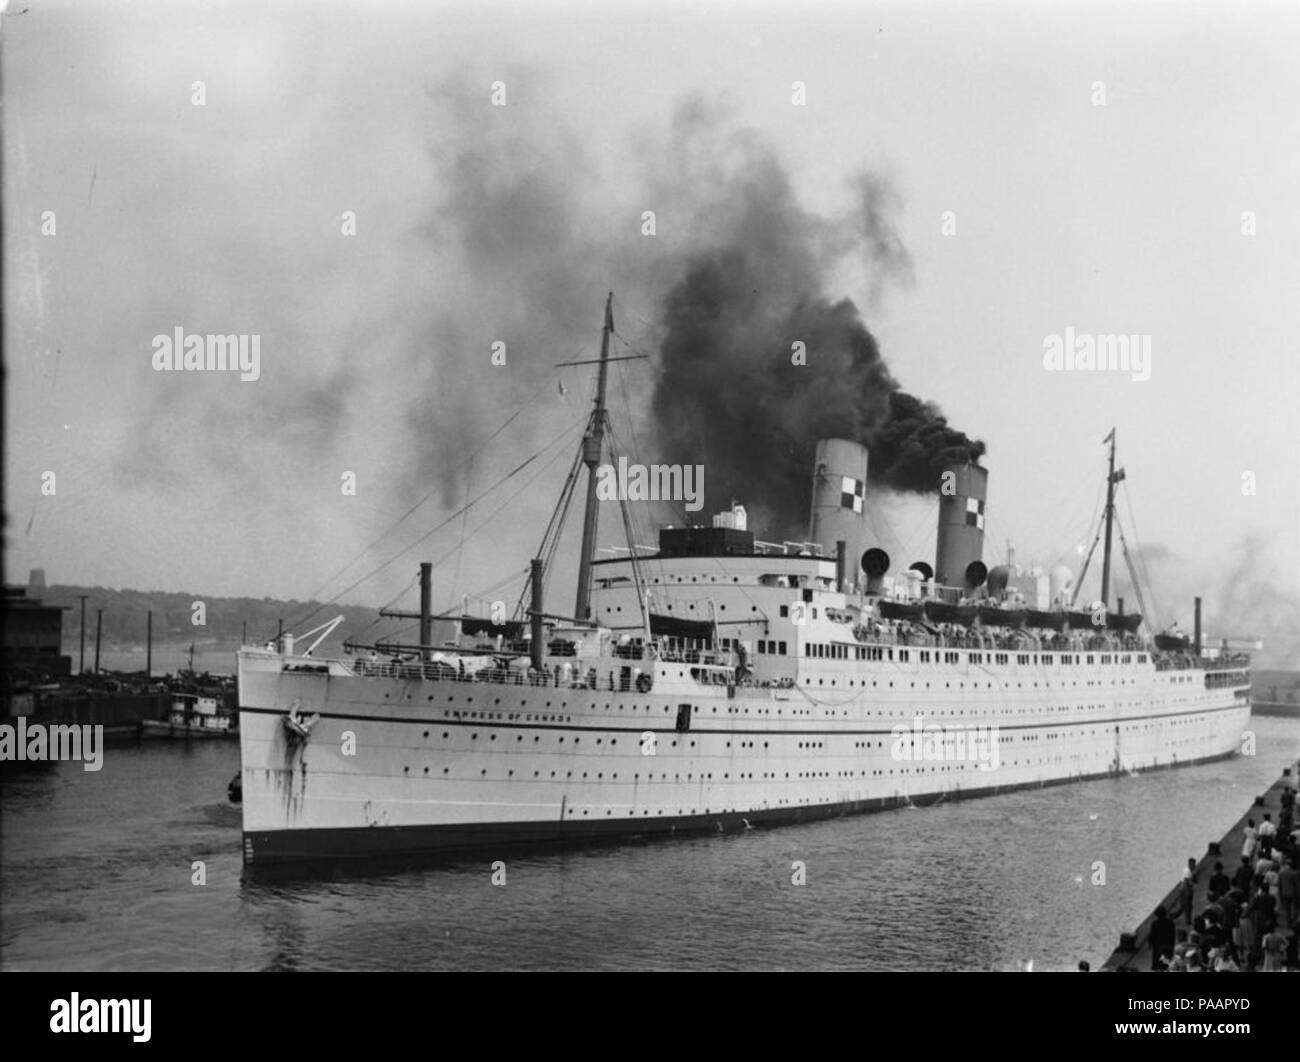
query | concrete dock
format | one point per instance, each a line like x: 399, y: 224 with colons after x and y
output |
x: 1134, y: 952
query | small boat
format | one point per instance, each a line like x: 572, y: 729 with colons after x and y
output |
x: 945, y: 612
x: 1045, y: 620
x: 1172, y: 643
x: 193, y: 715
x: 1127, y: 622
x: 1080, y: 621
x: 900, y: 610
x: 992, y: 616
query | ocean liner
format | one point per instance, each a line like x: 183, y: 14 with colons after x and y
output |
x: 719, y: 683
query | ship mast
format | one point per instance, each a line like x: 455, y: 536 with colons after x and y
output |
x: 1111, y: 480
x: 592, y: 445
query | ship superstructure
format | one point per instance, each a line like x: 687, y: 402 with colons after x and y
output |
x: 721, y: 682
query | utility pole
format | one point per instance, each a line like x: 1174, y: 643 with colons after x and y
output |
x: 81, y: 666
x: 99, y: 626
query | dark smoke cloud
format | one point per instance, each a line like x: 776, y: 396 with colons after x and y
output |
x: 730, y: 396
x: 515, y: 232
x: 737, y: 273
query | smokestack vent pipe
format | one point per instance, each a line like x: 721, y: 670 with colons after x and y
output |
x: 841, y: 552
x: 535, y: 649
x: 1196, y: 635
x: 426, y: 609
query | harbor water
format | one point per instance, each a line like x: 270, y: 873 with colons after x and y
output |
x: 98, y: 872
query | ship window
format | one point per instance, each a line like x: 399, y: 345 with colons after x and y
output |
x: 782, y: 647
x: 785, y: 610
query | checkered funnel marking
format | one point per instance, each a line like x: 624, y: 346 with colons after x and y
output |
x: 852, y: 491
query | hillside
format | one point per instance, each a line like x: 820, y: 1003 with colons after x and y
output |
x: 125, y: 613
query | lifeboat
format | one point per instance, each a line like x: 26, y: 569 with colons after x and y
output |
x: 945, y: 612
x: 1045, y: 620
x: 900, y: 610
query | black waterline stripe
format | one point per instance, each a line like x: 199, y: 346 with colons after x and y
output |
x: 488, y: 724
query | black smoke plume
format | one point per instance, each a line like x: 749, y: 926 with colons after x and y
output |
x: 733, y: 397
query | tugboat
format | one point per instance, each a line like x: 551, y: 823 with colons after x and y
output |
x: 199, y: 709
x: 193, y: 716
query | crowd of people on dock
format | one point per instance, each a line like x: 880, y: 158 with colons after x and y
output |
x: 1251, y: 917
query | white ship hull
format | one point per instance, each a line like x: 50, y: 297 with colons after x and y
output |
x: 411, y: 764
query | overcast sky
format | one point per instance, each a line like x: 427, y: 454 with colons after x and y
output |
x: 1104, y: 165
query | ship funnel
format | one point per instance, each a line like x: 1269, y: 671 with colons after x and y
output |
x: 875, y: 562
x: 976, y: 573
x: 962, y: 490
x: 839, y: 497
